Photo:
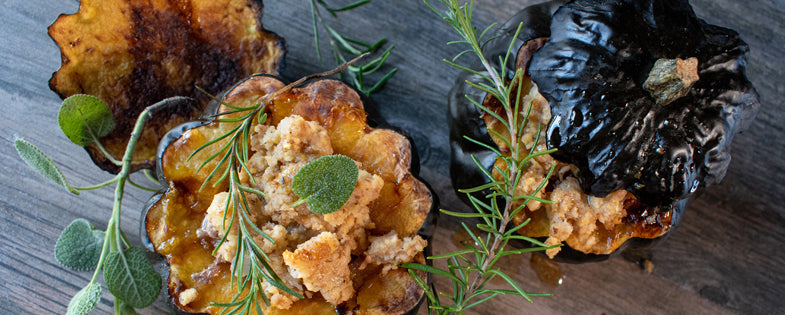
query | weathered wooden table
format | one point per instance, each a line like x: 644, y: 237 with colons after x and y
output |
x: 727, y: 256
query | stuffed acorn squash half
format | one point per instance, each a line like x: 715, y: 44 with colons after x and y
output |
x: 640, y: 99
x: 299, y: 261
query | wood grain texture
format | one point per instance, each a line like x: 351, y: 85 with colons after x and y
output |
x: 727, y: 256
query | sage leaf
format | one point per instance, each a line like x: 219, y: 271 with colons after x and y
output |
x: 131, y: 278
x: 79, y: 246
x: 85, y: 300
x: 36, y: 159
x: 326, y: 183
x: 85, y: 118
x: 122, y: 308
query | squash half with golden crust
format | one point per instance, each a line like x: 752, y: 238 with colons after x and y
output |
x: 341, y: 262
x: 132, y: 54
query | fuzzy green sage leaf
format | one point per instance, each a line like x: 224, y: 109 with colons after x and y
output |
x: 85, y: 300
x: 122, y: 308
x: 79, y: 246
x: 131, y: 278
x: 85, y: 118
x: 326, y: 183
x: 36, y: 159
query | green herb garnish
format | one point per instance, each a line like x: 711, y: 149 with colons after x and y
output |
x: 344, y: 48
x: 85, y: 118
x: 36, y: 159
x: 126, y: 270
x: 232, y: 155
x: 85, y: 300
x: 325, y: 183
x: 131, y: 278
x: 79, y: 246
x: 472, y: 268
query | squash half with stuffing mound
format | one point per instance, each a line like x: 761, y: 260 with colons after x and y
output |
x: 342, y: 262
x: 640, y: 99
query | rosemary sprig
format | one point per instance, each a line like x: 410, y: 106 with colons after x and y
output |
x: 234, y: 159
x: 232, y: 156
x: 344, y: 48
x: 471, y: 268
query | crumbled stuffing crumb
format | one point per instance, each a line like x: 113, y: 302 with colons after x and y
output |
x: 188, y: 296
x: 323, y: 264
x: 389, y: 250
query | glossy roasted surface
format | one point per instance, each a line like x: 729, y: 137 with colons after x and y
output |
x: 605, y: 120
x: 724, y: 258
x: 402, y: 206
x: 132, y: 54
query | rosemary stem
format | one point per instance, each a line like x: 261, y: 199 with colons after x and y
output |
x: 339, y: 58
x: 513, y: 172
x: 512, y: 167
x: 494, y: 248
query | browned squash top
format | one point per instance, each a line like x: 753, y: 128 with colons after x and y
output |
x: 132, y: 54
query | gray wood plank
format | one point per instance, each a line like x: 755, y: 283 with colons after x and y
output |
x: 726, y: 257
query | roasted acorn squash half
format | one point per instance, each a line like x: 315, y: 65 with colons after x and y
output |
x: 641, y: 99
x: 132, y: 54
x: 176, y: 226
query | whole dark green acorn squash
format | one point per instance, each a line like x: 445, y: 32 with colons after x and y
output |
x: 641, y: 99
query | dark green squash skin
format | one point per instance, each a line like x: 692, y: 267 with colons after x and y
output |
x: 374, y: 120
x: 592, y: 70
x: 466, y: 121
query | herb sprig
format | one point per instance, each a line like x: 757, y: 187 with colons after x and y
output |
x: 345, y: 48
x: 128, y: 274
x: 471, y: 268
x: 232, y: 151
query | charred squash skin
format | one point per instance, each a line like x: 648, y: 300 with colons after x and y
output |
x: 406, y: 205
x: 132, y: 54
x: 664, y: 214
x: 605, y: 118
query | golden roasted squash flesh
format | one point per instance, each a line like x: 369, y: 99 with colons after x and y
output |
x: 132, y: 54
x: 402, y: 206
x: 586, y: 223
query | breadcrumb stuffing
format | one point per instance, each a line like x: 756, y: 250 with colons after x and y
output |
x: 310, y: 252
x: 188, y: 296
x: 573, y: 217
x: 576, y: 217
x: 389, y: 250
x: 323, y: 265
x: 214, y: 222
